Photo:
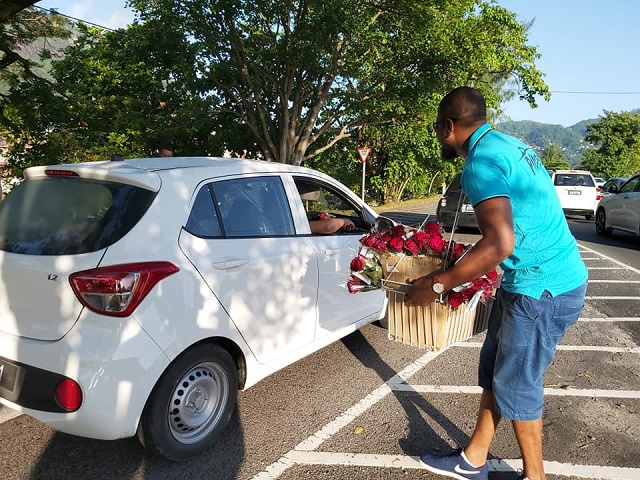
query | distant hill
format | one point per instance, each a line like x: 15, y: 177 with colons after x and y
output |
x: 539, y: 135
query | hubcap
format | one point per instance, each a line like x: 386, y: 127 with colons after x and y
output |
x: 198, y: 402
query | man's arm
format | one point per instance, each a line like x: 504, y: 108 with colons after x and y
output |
x: 495, y: 221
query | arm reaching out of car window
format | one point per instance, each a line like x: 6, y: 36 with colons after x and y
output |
x: 330, y: 225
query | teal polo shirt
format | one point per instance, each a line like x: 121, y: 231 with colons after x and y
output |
x: 546, y: 255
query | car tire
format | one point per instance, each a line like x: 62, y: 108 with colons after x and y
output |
x: 191, y: 404
x: 601, y: 222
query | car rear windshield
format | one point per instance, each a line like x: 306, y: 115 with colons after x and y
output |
x: 573, y: 180
x: 68, y: 216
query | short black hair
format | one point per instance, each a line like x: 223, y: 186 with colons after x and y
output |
x: 465, y: 104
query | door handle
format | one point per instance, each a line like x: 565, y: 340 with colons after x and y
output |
x: 230, y: 263
x: 331, y: 252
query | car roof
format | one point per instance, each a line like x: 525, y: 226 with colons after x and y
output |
x: 581, y: 172
x: 144, y: 172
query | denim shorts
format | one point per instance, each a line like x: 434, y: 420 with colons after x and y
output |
x: 520, y: 345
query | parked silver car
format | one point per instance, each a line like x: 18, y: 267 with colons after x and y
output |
x: 620, y: 209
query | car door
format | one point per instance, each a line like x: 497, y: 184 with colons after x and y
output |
x: 241, y: 237
x: 337, y: 308
x: 628, y: 205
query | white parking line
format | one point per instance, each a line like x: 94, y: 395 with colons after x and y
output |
x: 614, y: 281
x: 613, y: 260
x: 7, y: 414
x: 607, y: 268
x: 572, y: 348
x: 277, y: 468
x: 610, y: 319
x: 611, y: 297
x: 504, y: 465
x: 553, y: 392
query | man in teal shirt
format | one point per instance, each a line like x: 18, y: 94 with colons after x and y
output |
x: 542, y: 292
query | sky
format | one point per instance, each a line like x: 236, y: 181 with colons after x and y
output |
x: 590, y: 52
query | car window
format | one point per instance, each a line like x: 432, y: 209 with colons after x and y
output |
x: 253, y: 207
x: 573, y: 180
x: 318, y: 198
x: 632, y: 185
x: 203, y: 220
x: 69, y: 215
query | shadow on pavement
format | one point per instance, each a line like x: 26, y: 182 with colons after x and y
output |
x: 421, y: 438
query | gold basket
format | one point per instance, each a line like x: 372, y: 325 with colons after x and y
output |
x: 435, y: 326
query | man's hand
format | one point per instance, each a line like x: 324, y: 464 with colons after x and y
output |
x: 420, y: 292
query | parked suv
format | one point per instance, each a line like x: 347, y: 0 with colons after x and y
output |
x: 577, y: 192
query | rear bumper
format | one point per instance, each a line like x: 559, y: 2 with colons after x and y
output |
x: 578, y: 211
x: 114, y: 361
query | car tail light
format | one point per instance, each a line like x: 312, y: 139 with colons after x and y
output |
x: 117, y: 290
x: 598, y: 193
x: 60, y: 173
x: 69, y: 395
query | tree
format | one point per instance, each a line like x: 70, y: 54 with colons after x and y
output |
x: 25, y: 40
x: 616, y: 137
x: 123, y: 92
x: 304, y: 75
x: 553, y: 158
x: 9, y: 8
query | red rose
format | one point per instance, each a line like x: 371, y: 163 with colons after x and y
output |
x: 432, y: 228
x: 368, y: 241
x: 412, y: 246
x: 398, y: 231
x: 358, y: 263
x: 396, y: 244
x: 421, y: 238
x: 386, y: 236
x: 437, y: 244
x: 354, y: 285
x: 468, y: 293
x: 455, y: 299
x: 458, y: 250
x: 380, y: 245
x: 492, y: 275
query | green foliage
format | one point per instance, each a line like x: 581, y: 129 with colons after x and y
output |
x: 292, y: 81
x: 124, y: 92
x: 302, y: 76
x: 28, y: 40
x: 617, y: 145
x: 553, y: 158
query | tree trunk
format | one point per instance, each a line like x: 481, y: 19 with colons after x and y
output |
x: 9, y: 8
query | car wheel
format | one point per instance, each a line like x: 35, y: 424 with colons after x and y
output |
x: 601, y: 218
x: 191, y: 404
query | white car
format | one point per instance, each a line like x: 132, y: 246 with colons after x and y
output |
x: 620, y: 209
x: 577, y: 192
x: 138, y: 296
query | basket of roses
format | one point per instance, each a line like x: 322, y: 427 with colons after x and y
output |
x: 387, y: 259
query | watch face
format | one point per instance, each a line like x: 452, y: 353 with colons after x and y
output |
x: 438, y: 287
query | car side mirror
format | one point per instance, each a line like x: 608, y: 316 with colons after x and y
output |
x: 612, y: 189
x: 383, y: 224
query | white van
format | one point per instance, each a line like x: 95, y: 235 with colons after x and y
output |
x: 577, y: 192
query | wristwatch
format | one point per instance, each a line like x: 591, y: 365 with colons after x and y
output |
x: 436, y: 286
